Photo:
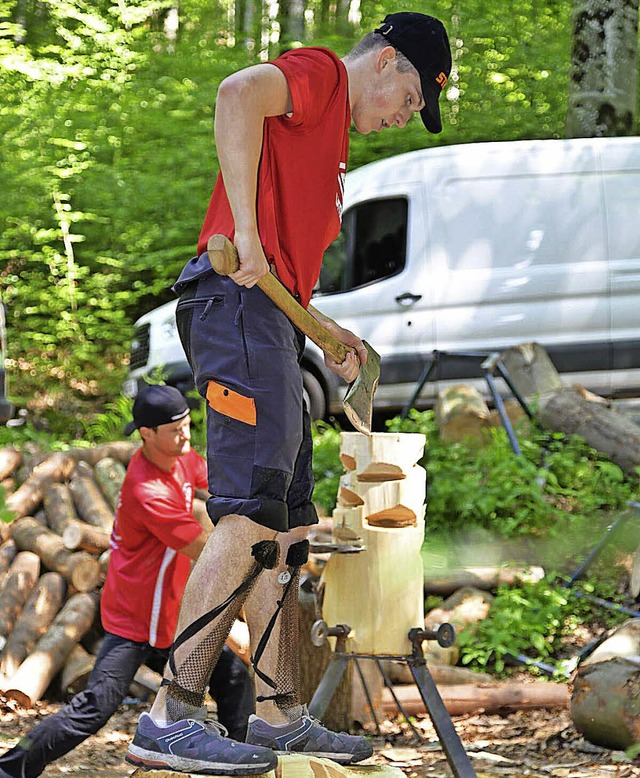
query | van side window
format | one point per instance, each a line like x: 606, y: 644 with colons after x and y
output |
x: 372, y: 245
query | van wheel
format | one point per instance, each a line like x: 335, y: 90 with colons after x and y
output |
x: 313, y: 396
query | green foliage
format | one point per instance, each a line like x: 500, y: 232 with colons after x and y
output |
x: 327, y: 467
x: 531, y: 619
x: 556, y: 484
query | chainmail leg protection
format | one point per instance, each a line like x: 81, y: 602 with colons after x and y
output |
x: 286, y: 684
x: 186, y: 690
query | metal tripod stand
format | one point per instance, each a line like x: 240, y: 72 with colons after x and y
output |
x: 449, y: 740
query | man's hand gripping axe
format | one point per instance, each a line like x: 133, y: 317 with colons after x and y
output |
x: 358, y: 401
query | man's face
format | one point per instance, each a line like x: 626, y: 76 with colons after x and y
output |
x: 171, y: 440
x: 390, y: 98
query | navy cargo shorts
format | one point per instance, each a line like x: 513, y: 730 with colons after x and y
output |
x: 245, y: 354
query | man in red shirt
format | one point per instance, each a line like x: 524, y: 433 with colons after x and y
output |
x: 155, y: 537
x: 281, y: 132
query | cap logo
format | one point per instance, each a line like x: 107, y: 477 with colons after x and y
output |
x: 442, y: 79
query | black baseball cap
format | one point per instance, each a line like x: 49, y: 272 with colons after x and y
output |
x: 156, y: 405
x: 423, y: 41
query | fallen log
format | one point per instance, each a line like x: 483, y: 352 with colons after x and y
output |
x: 8, y: 553
x: 58, y: 507
x: 466, y: 606
x: 44, y: 603
x: 605, y: 704
x: 490, y: 698
x: 122, y: 450
x: 462, y: 414
x: 79, y: 568
x: 109, y: 474
x: 37, y: 671
x: 78, y: 534
x: 446, y: 675
x: 76, y: 671
x: 449, y: 581
x: 15, y: 590
x: 10, y: 460
x: 92, y: 507
x: 25, y: 500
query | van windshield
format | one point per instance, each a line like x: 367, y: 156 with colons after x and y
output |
x: 372, y: 245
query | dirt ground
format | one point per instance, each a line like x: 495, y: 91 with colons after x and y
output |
x: 536, y: 743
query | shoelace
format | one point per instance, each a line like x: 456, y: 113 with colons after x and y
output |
x: 201, y: 717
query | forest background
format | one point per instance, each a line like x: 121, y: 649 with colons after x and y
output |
x: 108, y: 157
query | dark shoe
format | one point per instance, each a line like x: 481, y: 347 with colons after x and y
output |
x: 308, y: 736
x: 192, y: 746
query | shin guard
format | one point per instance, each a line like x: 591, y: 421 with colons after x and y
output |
x: 186, y: 690
x: 286, y: 684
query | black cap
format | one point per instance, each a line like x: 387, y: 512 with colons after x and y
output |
x: 423, y: 41
x: 156, y: 405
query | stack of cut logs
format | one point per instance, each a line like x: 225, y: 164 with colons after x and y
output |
x: 53, y: 561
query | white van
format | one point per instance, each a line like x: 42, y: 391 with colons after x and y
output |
x: 473, y: 248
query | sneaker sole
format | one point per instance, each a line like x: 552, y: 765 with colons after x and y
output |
x: 344, y: 759
x: 152, y: 760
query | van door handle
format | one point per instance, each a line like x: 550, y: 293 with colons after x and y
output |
x: 408, y: 298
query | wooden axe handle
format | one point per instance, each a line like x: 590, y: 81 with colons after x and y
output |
x: 223, y: 256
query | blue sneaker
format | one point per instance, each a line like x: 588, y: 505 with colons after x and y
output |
x: 192, y: 746
x: 308, y: 736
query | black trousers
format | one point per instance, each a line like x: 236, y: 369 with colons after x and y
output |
x: 108, y: 684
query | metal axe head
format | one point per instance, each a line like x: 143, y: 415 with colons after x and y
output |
x: 358, y: 401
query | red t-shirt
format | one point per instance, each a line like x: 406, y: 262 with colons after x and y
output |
x: 302, y: 170
x: 146, y: 575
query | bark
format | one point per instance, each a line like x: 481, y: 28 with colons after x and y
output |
x: 604, y: 429
x: 48, y: 657
x: 109, y: 473
x: 462, y: 414
x: 26, y: 499
x: 76, y: 671
x: 80, y: 569
x: 58, y: 507
x: 479, y: 577
x: 605, y: 704
x: 7, y: 555
x: 80, y: 535
x: 531, y: 371
x: 44, y: 602
x: 10, y: 459
x: 291, y: 20
x: 16, y: 588
x: 87, y: 497
x: 489, y: 698
x: 604, y: 69
x: 122, y: 450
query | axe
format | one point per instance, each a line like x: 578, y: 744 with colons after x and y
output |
x: 358, y: 401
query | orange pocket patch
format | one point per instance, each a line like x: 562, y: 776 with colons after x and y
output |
x: 232, y: 404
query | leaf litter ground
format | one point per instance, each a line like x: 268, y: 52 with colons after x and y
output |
x: 524, y: 743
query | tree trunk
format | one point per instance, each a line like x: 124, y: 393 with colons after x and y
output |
x: 109, y: 473
x: 47, y: 659
x: 122, y: 450
x: 25, y: 500
x: 58, y: 507
x: 87, y: 497
x: 489, y: 698
x: 44, y: 602
x: 462, y: 414
x: 79, y: 568
x: 605, y: 429
x: 605, y: 704
x: 10, y: 459
x: 466, y: 606
x: 604, y: 69
x: 76, y: 671
x: 78, y: 534
x: 291, y: 20
x: 16, y: 588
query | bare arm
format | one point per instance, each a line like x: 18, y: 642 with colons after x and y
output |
x: 351, y: 365
x: 244, y: 100
x: 193, y: 549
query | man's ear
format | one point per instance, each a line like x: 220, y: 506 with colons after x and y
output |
x: 145, y: 432
x: 385, y: 57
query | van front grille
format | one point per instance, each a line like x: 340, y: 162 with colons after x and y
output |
x: 139, y: 347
